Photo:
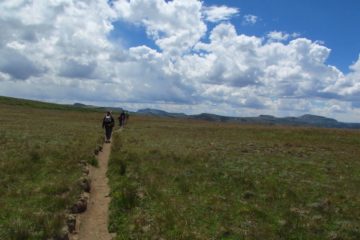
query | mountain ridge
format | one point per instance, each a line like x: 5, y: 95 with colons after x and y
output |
x: 303, y: 120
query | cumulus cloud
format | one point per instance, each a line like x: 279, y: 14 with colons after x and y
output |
x: 45, y: 34
x: 175, y: 26
x: 17, y: 65
x: 347, y: 87
x: 295, y: 69
x: 73, y: 69
x: 219, y: 13
x: 61, y: 50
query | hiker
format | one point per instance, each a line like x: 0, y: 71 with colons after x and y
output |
x: 122, y: 118
x: 126, y: 117
x: 108, y: 124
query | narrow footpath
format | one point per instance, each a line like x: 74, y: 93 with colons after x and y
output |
x: 93, y: 223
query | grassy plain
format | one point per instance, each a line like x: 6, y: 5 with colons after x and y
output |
x: 41, y: 145
x: 176, y: 179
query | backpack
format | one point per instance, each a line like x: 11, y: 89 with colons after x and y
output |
x: 108, y: 120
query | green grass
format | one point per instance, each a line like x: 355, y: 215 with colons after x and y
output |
x: 173, y: 179
x: 41, y: 145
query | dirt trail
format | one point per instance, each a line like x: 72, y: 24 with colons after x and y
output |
x: 92, y: 224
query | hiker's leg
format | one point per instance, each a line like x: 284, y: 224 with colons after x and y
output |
x: 108, y: 133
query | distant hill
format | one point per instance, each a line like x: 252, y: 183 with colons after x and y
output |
x: 39, y: 104
x: 160, y: 113
x: 305, y: 120
x: 55, y: 106
x: 114, y: 109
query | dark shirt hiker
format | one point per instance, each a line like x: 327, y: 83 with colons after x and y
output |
x: 122, y: 119
x: 108, y: 123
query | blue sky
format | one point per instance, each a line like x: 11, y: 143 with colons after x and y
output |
x: 333, y: 22
x: 238, y: 58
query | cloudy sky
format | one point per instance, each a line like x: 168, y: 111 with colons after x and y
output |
x: 237, y: 58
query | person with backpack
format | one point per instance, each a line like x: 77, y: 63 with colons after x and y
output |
x: 108, y: 124
x: 122, y: 119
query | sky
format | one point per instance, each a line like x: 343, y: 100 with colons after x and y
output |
x: 234, y: 58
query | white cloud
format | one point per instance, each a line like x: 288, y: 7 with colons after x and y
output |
x: 348, y: 87
x: 61, y: 50
x: 277, y: 69
x: 295, y: 35
x: 250, y: 19
x: 278, y: 36
x: 219, y: 13
x: 175, y: 26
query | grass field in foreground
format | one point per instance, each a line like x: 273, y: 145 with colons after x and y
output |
x: 174, y: 179
x: 40, y: 150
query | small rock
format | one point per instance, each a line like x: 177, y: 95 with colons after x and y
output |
x: 323, y: 205
x: 83, y: 162
x: 81, y: 205
x: 63, y: 234
x: 85, y: 184
x: 248, y: 194
x: 86, y: 170
x: 96, y: 151
x: 71, y: 222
